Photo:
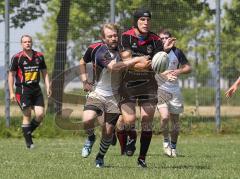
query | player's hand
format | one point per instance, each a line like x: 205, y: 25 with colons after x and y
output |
x: 169, y: 75
x: 49, y: 92
x: 170, y: 42
x: 12, y: 97
x: 231, y: 91
x: 87, y: 86
x: 177, y: 72
x: 143, y: 64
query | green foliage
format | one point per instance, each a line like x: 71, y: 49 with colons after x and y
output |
x: 23, y: 11
x: 206, y: 97
x: 231, y: 41
x: 87, y: 16
x: 47, y: 129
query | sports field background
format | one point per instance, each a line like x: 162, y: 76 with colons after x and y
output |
x: 203, y: 153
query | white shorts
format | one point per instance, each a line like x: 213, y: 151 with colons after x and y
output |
x: 107, y: 104
x: 174, y: 105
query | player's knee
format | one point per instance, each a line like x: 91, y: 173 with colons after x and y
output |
x: 112, y: 118
x: 164, y: 120
x: 40, y: 117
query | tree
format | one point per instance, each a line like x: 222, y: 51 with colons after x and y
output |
x: 23, y: 11
x: 86, y: 18
x: 60, y: 55
x: 230, y: 65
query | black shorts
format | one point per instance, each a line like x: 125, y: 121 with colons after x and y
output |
x: 138, y: 87
x: 27, y: 97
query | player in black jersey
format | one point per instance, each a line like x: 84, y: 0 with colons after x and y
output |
x: 26, y: 67
x: 139, y: 86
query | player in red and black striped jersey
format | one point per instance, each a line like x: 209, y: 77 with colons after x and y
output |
x: 139, y: 85
x: 26, y: 67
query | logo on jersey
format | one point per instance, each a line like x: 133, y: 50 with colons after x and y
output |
x: 149, y: 49
x: 134, y: 45
x: 23, y: 105
x: 37, y: 60
x: 24, y: 63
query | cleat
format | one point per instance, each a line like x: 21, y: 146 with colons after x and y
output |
x: 87, y: 148
x: 31, y: 146
x: 141, y: 163
x: 166, y: 149
x: 99, y: 162
x: 174, y: 153
x: 130, y: 147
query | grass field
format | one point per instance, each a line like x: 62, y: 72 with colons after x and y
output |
x: 203, y: 156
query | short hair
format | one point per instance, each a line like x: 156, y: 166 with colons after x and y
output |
x: 111, y: 26
x: 165, y: 31
x: 26, y: 36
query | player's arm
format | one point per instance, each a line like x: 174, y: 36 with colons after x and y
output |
x: 233, y: 88
x: 117, y: 66
x: 185, y: 66
x: 83, y: 76
x: 142, y: 64
x: 47, y: 82
x: 11, y: 76
x: 126, y: 54
x: 184, y: 69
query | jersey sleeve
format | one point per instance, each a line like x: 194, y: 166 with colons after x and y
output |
x: 87, y: 55
x: 181, y: 56
x: 159, y: 46
x: 14, y: 64
x: 42, y: 65
x: 124, y: 44
x: 103, y: 57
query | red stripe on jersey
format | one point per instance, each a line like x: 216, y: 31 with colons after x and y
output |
x: 38, y: 54
x: 20, y: 75
x: 19, y: 54
x: 95, y: 45
x: 18, y: 97
x: 130, y: 32
x: 151, y: 37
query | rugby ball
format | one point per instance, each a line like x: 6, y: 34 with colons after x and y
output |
x: 160, y: 62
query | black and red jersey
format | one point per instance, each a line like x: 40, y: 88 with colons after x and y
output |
x: 137, y: 84
x: 89, y: 55
x: 27, y: 70
x: 149, y: 45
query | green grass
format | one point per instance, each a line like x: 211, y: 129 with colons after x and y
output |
x: 49, y: 129
x: 204, y: 156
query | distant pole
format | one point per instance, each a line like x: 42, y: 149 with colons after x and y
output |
x: 195, y: 78
x: 112, y: 11
x: 218, y: 63
x: 6, y: 57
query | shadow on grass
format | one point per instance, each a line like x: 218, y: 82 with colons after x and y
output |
x: 164, y: 155
x: 152, y: 166
x: 191, y: 167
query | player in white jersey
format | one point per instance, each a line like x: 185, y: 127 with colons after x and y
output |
x: 170, y: 110
x: 104, y: 97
